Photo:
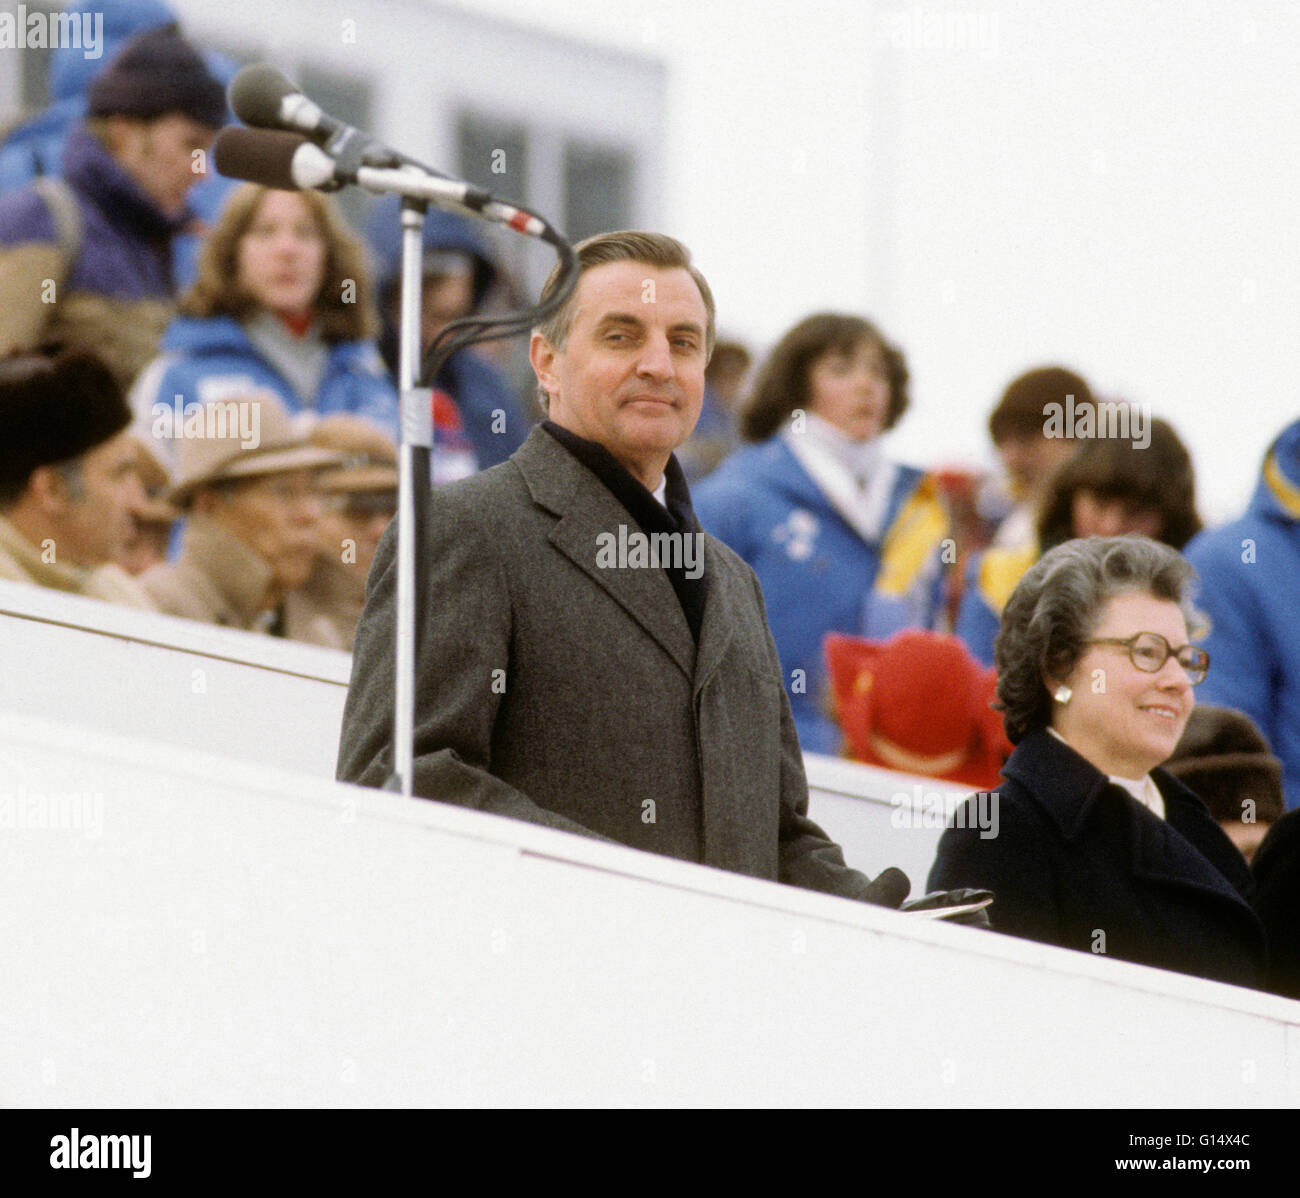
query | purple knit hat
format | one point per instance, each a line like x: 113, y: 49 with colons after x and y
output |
x: 155, y: 73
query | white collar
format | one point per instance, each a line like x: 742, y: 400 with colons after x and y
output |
x: 1143, y: 789
x: 860, y: 458
x: 661, y: 491
x: 853, y: 475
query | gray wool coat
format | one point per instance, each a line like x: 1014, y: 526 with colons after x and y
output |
x: 553, y: 690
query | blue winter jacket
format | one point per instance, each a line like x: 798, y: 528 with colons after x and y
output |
x: 208, y: 358
x: 817, y: 573
x: 1250, y: 589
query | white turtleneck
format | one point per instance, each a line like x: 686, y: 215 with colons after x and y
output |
x: 854, y: 475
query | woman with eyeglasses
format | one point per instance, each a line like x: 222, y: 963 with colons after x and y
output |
x: 1096, y: 847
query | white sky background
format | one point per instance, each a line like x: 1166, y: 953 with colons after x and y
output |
x: 1110, y: 184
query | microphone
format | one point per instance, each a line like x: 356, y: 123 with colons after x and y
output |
x: 283, y: 161
x: 289, y: 162
x: 263, y: 97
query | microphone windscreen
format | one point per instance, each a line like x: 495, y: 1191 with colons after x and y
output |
x: 255, y: 95
x: 262, y: 156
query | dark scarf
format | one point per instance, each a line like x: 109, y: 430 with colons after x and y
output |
x: 649, y: 514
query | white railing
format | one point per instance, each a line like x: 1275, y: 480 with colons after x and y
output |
x: 182, y: 929
x: 194, y: 913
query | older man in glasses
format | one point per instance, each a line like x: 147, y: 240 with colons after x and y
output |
x: 249, y: 487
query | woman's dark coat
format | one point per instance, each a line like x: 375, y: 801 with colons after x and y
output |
x: 1077, y: 861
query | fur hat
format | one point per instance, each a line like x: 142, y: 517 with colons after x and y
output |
x: 371, y: 455
x: 156, y: 73
x: 918, y: 702
x: 1225, y: 759
x: 1020, y: 410
x: 242, y: 437
x: 54, y: 408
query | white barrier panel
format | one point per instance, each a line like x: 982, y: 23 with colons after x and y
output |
x: 209, y: 932
x: 112, y: 669
x: 878, y: 817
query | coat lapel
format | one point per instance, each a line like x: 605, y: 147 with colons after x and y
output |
x: 585, y: 510
x: 1168, y: 851
x: 719, y: 626
x: 1176, y: 850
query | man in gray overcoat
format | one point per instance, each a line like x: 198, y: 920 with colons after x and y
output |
x: 592, y: 661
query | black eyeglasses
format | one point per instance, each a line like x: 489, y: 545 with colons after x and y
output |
x: 1149, y: 651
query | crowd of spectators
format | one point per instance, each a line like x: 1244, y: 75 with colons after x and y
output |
x: 201, y: 419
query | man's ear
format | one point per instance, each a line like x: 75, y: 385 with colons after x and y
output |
x: 542, y: 354
x: 48, y: 490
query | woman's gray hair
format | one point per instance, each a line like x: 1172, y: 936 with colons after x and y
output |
x: 1055, y: 609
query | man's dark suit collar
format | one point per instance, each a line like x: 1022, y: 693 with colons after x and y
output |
x: 1068, y: 788
x: 675, y: 514
x: 584, y: 508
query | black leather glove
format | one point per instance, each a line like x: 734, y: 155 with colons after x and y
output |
x: 937, y: 900
x: 889, y: 889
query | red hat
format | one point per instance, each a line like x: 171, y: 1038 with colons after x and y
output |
x: 918, y: 702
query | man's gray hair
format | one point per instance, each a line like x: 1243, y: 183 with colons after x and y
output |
x: 1055, y: 609
x: 625, y: 245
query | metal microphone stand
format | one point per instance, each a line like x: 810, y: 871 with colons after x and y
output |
x: 414, y: 451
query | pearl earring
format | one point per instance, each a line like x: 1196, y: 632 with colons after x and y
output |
x: 1062, y: 694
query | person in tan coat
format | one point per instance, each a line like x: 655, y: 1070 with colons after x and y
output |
x: 70, y: 494
x: 249, y: 487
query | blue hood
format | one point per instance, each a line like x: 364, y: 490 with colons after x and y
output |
x: 442, y: 231
x: 1278, y: 493
x: 71, y: 72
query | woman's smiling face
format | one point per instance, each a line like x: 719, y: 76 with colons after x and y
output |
x: 1122, y: 719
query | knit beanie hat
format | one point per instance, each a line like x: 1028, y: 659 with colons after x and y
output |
x: 1020, y: 410
x: 54, y: 409
x: 1225, y: 759
x: 155, y: 73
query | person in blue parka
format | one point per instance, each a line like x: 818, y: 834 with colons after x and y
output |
x: 842, y: 538
x: 282, y: 304
x: 1250, y: 589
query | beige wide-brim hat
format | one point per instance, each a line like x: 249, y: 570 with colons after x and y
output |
x: 370, y: 455
x: 242, y: 436
x: 157, y: 483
